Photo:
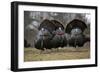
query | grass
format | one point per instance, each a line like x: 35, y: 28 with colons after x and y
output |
x: 66, y: 53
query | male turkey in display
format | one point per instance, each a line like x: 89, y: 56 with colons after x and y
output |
x: 45, y: 35
x: 59, y: 39
x: 76, y: 28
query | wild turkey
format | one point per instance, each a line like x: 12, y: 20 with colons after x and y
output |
x: 76, y: 28
x: 59, y: 39
x: 45, y: 35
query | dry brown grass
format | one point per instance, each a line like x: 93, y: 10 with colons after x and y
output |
x: 66, y: 53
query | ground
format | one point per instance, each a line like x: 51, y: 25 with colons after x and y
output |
x: 65, y: 53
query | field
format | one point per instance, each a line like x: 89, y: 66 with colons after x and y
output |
x: 66, y: 53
